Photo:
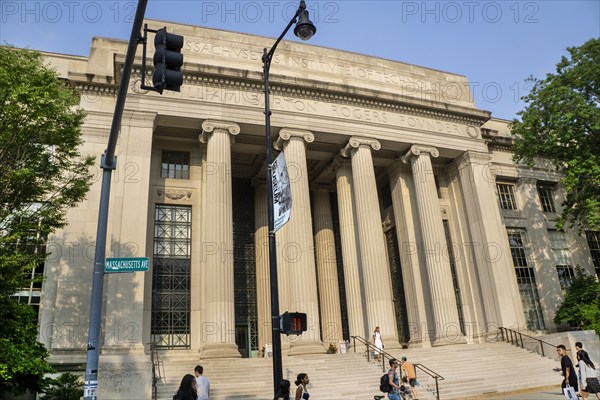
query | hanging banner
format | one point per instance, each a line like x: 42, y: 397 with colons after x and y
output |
x: 282, y: 192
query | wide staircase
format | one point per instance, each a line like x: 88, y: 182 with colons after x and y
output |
x: 468, y: 370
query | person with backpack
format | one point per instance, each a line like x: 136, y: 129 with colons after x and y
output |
x: 393, y: 382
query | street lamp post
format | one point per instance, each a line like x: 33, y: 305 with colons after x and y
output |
x: 304, y: 29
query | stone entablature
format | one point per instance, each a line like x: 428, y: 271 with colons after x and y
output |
x: 230, y: 49
x: 329, y: 69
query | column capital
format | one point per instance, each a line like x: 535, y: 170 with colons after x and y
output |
x: 336, y: 163
x: 417, y: 149
x: 210, y: 126
x: 357, y: 141
x: 286, y: 134
x: 472, y: 159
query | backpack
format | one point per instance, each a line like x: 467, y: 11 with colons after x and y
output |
x: 384, y: 383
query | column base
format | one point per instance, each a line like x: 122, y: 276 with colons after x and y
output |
x: 301, y: 348
x: 125, y: 377
x: 448, y: 341
x: 220, y: 350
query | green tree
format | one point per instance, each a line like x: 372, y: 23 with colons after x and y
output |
x: 42, y: 176
x: 65, y: 387
x: 561, y: 123
x: 581, y: 306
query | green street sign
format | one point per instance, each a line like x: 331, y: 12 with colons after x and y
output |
x: 139, y: 264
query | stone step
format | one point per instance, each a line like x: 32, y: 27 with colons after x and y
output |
x: 469, y: 370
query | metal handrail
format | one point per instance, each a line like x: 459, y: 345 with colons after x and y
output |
x: 155, y: 369
x: 514, y: 337
x: 371, y: 347
x: 434, y: 375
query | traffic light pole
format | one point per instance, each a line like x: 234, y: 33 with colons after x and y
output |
x: 108, y: 164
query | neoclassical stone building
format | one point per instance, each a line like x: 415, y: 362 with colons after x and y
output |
x: 408, y: 211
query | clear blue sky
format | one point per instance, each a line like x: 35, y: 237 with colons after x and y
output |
x: 495, y: 44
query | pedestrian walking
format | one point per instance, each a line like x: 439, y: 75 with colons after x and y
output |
x: 568, y: 372
x: 378, y: 343
x: 187, y: 389
x: 283, y: 390
x: 302, y: 392
x: 394, y: 381
x: 202, y: 383
x: 410, y: 376
x: 588, y: 380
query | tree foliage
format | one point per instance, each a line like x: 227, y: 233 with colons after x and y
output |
x: 561, y: 123
x: 65, y: 387
x: 581, y: 306
x: 42, y: 176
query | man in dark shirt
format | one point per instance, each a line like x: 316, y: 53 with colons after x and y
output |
x: 568, y: 371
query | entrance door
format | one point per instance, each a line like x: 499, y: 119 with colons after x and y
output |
x: 242, y: 340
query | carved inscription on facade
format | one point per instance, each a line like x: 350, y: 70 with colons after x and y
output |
x: 251, y: 98
x: 430, y: 88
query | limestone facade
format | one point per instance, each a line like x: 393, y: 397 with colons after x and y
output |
x: 401, y: 209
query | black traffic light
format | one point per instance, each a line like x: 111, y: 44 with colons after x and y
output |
x: 293, y: 323
x: 167, y: 61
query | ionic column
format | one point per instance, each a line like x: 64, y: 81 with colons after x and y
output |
x: 329, y: 289
x: 296, y: 240
x: 407, y: 227
x: 375, y: 266
x: 349, y: 239
x: 447, y: 328
x: 261, y: 248
x: 218, y: 332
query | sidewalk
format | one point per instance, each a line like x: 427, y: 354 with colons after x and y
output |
x: 548, y: 393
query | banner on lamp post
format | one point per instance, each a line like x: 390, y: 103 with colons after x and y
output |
x: 282, y: 192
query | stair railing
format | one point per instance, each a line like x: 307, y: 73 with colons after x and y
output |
x: 437, y: 377
x: 516, y: 338
x: 156, y: 376
x: 371, y: 348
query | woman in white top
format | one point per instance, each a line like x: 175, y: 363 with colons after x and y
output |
x: 378, y: 343
x: 302, y: 391
x: 588, y: 381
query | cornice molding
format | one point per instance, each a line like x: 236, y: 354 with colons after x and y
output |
x: 202, y: 75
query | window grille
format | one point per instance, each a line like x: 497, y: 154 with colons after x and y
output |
x: 175, y: 165
x: 32, y: 243
x: 562, y: 258
x: 452, y: 259
x: 593, y: 238
x: 528, y: 291
x: 546, y: 199
x: 171, y: 282
x: 506, y: 196
x: 399, y: 298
